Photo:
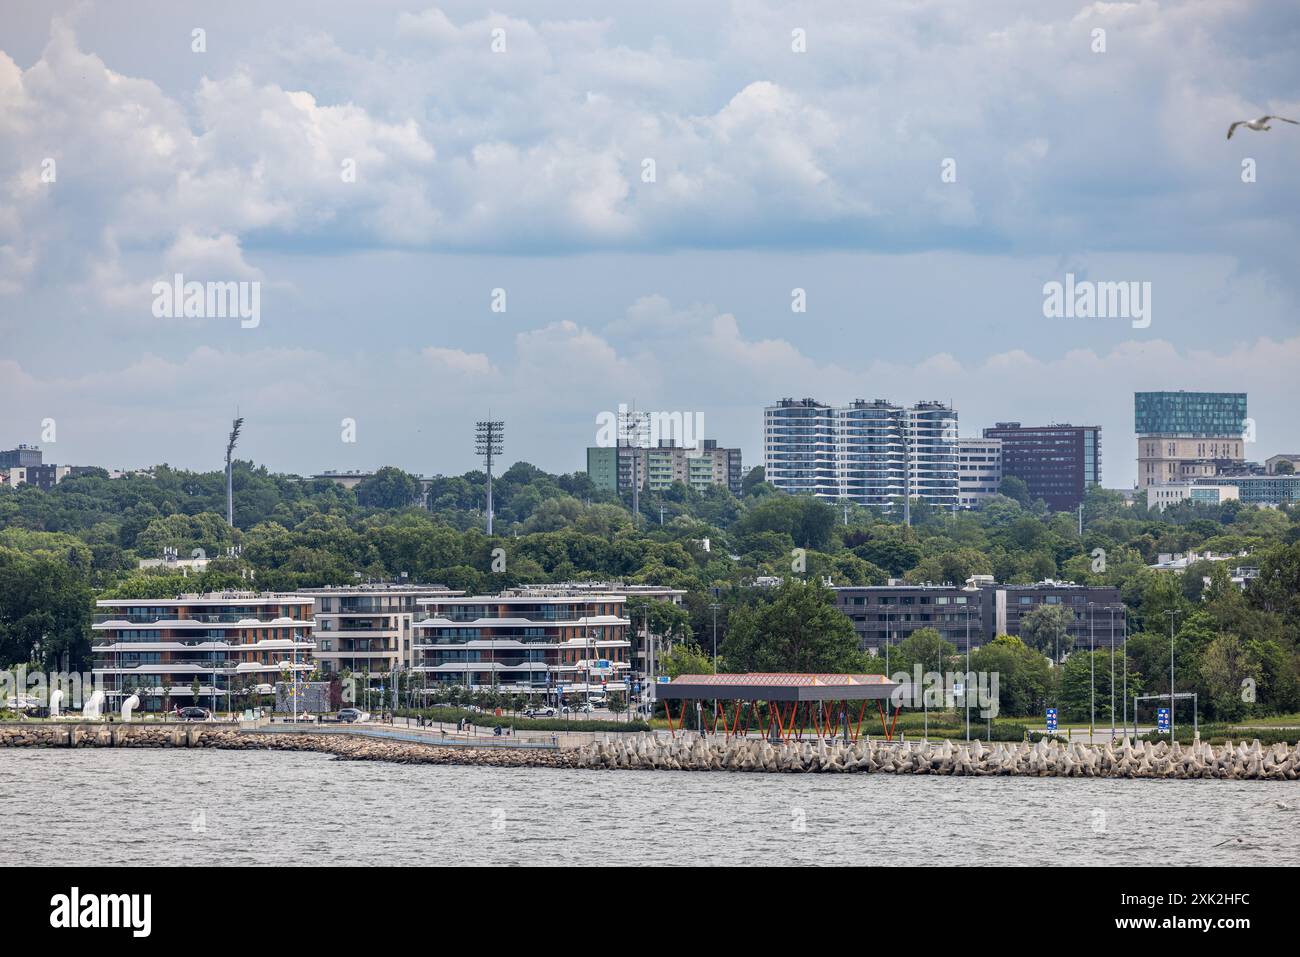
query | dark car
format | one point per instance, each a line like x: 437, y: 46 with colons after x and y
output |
x: 352, y: 714
x: 195, y: 714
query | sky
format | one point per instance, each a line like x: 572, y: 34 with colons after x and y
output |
x: 537, y: 211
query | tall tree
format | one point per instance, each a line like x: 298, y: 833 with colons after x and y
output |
x: 797, y: 629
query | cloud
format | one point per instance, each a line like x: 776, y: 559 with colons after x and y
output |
x: 541, y: 147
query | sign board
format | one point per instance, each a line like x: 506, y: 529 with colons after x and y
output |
x: 663, y: 680
x: 1162, y: 719
x: 1051, y: 719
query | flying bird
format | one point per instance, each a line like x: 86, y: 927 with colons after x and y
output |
x: 1258, y: 125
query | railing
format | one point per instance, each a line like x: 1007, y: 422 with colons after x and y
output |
x: 223, y: 618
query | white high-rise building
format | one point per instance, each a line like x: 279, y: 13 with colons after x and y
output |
x: 979, y: 470
x: 873, y: 453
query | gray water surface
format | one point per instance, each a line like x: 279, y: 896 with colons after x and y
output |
x: 164, y: 807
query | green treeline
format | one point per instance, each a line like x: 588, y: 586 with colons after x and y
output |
x: 61, y: 549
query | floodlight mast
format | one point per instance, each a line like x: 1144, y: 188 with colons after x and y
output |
x: 488, y: 443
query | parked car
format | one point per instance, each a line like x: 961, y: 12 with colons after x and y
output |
x: 195, y: 714
x: 540, y: 713
x: 353, y: 714
x: 577, y: 709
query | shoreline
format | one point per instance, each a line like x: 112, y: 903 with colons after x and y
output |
x: 691, y: 752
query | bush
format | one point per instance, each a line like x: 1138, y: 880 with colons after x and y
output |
x: 1219, y: 733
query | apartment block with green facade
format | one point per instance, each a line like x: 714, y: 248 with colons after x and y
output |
x: 658, y: 467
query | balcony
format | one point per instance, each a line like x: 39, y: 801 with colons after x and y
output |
x: 222, y: 618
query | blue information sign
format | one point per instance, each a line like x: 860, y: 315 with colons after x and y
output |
x: 1051, y: 719
x: 1162, y: 718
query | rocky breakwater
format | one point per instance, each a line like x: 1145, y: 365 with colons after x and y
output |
x: 1125, y: 760
x: 342, y: 746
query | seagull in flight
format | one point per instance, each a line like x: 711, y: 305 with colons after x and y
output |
x: 1258, y: 125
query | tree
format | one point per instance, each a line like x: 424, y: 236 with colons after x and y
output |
x: 924, y: 647
x: 1046, y: 628
x: 1016, y: 489
x: 1023, y: 675
x: 797, y: 629
x: 1226, y: 668
x: 389, y: 487
x: 685, y: 658
x: 1085, y: 687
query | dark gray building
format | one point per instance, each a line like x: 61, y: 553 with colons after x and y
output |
x: 23, y: 457
x: 889, y: 613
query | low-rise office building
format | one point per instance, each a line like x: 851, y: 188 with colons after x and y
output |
x: 1162, y: 496
x: 886, y: 614
x: 1261, y: 489
x: 157, y: 648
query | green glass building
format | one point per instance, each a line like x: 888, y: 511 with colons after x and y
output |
x: 1189, y: 413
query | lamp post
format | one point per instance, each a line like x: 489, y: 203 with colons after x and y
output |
x: 965, y: 685
x: 1112, y: 672
x: 1092, y: 674
x: 1125, y: 696
x: 714, y: 606
x: 1172, y: 615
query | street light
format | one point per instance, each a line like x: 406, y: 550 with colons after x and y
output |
x: 1092, y: 675
x: 1172, y: 614
x: 714, y: 606
x: 1112, y: 672
x: 1125, y: 698
x: 965, y: 687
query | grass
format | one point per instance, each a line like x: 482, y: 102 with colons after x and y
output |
x: 1271, y: 721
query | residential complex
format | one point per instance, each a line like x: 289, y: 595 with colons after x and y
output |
x: 869, y: 452
x: 157, y: 648
x: 979, y: 470
x: 524, y: 641
x: 886, y: 614
x: 1185, y: 436
x: 367, y: 628
x: 1058, y: 463
x: 658, y: 467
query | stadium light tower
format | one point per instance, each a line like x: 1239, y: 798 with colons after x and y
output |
x: 634, y: 429
x: 488, y: 443
x: 230, y: 487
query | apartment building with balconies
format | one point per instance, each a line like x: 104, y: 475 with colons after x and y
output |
x: 524, y: 642
x: 367, y: 628
x: 226, y: 641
